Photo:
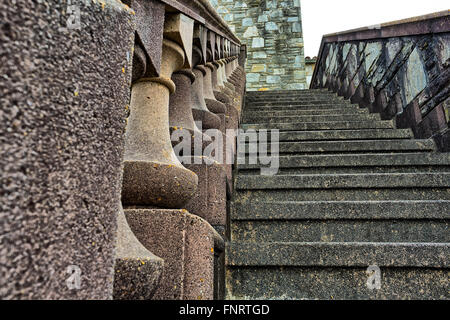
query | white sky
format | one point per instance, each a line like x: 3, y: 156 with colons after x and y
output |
x: 328, y: 16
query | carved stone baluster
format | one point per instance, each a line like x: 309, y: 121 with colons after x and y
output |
x: 137, y: 270
x: 186, y: 242
x: 152, y: 173
x: 199, y: 109
x: 223, y: 92
x: 180, y: 113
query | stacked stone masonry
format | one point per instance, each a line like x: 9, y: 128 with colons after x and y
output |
x: 272, y: 32
x: 94, y: 197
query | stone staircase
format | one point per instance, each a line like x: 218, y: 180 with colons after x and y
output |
x: 352, y: 192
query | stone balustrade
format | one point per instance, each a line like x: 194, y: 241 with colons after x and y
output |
x: 399, y: 69
x: 99, y: 199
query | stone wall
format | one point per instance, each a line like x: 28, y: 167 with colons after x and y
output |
x: 272, y: 31
x: 400, y: 70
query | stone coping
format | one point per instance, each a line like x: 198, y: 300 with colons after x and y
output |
x: 204, y: 13
x: 438, y: 22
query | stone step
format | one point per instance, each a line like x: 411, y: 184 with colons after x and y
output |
x: 344, y: 107
x: 276, y: 99
x: 335, y: 271
x: 288, y: 93
x: 282, y: 94
x: 311, y: 118
x: 298, y: 103
x: 329, y: 135
x: 344, y: 181
x: 351, y: 192
x: 319, y: 112
x: 353, y: 146
x: 327, y: 254
x: 361, y: 194
x: 311, y: 126
x: 355, y: 221
x: 351, y: 163
x: 398, y: 231
x: 293, y: 99
x: 341, y: 210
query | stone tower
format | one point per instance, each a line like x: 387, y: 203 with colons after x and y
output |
x: 272, y: 31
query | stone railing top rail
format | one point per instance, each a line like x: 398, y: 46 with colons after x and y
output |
x: 202, y: 12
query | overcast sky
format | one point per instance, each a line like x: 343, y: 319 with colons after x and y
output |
x: 328, y: 16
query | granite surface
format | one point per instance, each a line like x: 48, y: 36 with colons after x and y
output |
x: 63, y: 94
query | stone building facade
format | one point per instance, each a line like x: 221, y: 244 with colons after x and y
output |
x: 272, y: 32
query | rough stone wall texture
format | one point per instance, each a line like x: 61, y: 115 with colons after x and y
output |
x: 406, y: 78
x: 63, y: 95
x: 272, y: 31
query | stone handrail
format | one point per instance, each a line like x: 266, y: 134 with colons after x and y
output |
x: 398, y: 69
x: 185, y: 69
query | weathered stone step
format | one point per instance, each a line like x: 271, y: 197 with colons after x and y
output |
x: 289, y: 101
x: 376, y: 194
x: 292, y: 91
x: 328, y: 254
x: 357, y: 146
x: 293, y: 99
x: 288, y: 93
x: 345, y: 107
x: 351, y: 170
x: 396, y: 231
x: 312, y: 118
x: 335, y: 271
x: 329, y: 135
x: 250, y: 95
x: 308, y: 126
x: 325, y: 221
x: 317, y: 283
x: 344, y: 181
x: 341, y: 210
x: 312, y: 112
x: 298, y: 103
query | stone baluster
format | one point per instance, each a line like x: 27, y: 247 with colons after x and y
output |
x: 209, y: 202
x: 212, y: 103
x: 156, y: 179
x: 217, y: 89
x: 202, y: 74
x: 152, y: 173
x: 181, y: 117
x: 137, y: 270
